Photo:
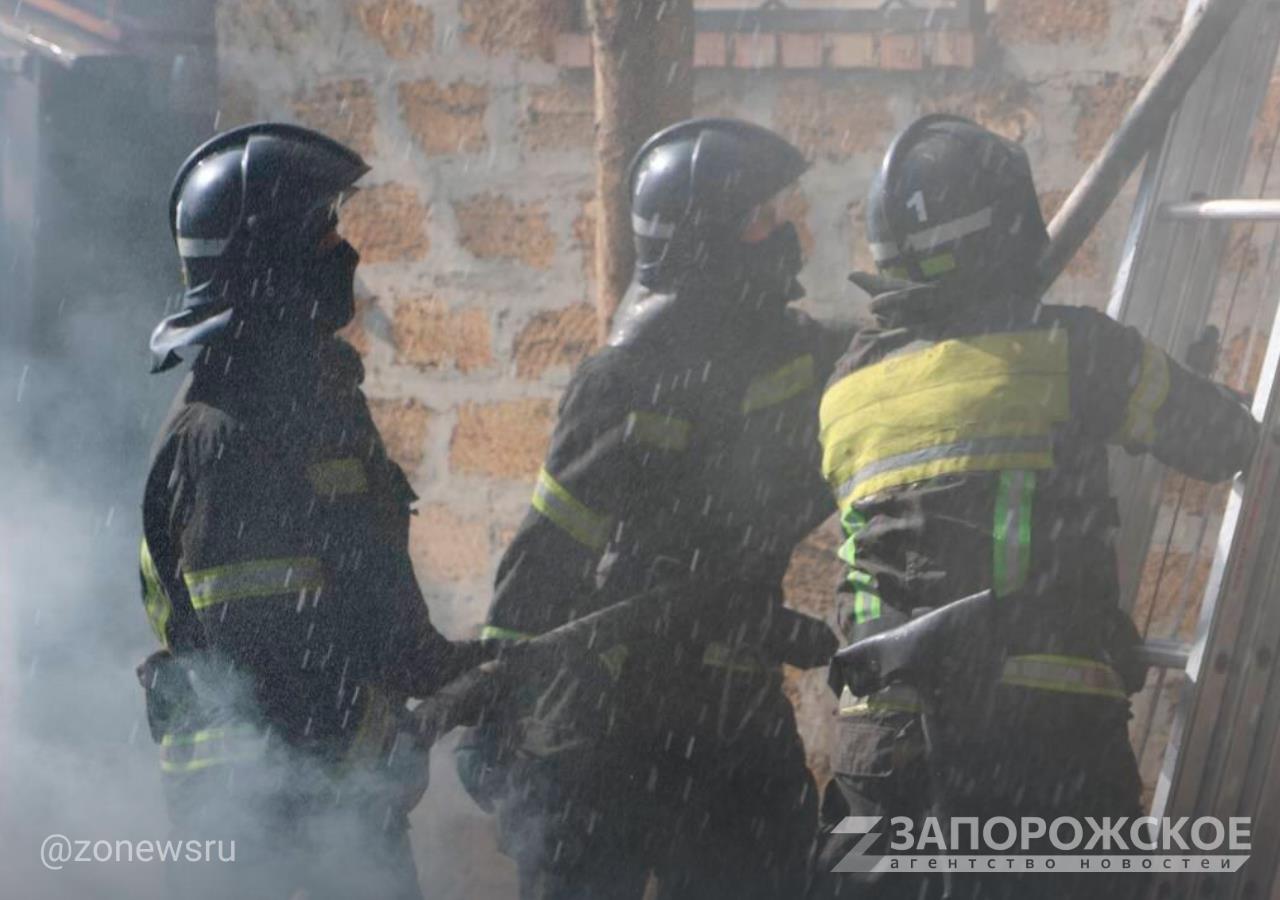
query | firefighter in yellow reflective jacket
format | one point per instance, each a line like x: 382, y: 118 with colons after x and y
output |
x: 685, y: 453
x: 965, y: 441
x: 274, y: 562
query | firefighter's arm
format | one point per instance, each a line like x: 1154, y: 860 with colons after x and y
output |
x: 1145, y: 401
x: 588, y: 482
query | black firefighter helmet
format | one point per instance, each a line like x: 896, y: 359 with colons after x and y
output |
x: 251, y: 208
x: 694, y: 187
x: 955, y: 205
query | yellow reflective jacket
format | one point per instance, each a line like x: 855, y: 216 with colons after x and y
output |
x: 973, y: 455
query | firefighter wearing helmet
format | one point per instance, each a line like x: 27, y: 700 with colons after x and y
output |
x: 685, y: 454
x: 275, y: 568
x: 965, y: 443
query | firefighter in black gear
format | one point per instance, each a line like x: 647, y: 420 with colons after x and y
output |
x: 965, y: 441
x: 275, y: 569
x: 681, y: 456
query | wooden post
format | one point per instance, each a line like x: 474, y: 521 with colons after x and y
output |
x: 643, y: 51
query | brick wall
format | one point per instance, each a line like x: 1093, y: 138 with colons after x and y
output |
x: 475, y: 230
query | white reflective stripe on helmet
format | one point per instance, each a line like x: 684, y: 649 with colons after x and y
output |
x: 194, y: 248
x: 652, y: 228
x: 950, y: 231
x: 884, y: 250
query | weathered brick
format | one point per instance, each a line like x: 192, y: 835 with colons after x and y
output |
x: 853, y: 50
x: 501, y: 440
x: 799, y: 50
x: 860, y: 257
x: 573, y: 50
x: 710, y: 50
x: 559, y: 117
x: 1006, y: 108
x: 755, y: 50
x: 1087, y: 263
x: 344, y: 110
x: 237, y: 102
x: 561, y: 337
x: 278, y: 27
x: 429, y: 335
x: 403, y: 426
x: 1102, y: 106
x: 386, y: 223
x: 814, y: 571
x: 901, y: 52
x: 445, y: 118
x: 492, y: 226
x: 952, y: 48
x: 833, y: 121
x: 447, y: 546
x: 584, y: 235
x: 527, y: 28
x: 402, y: 27
x: 356, y: 333
x: 1037, y: 22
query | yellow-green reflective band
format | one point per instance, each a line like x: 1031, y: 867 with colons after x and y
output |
x: 1011, y: 530
x: 975, y: 404
x: 780, y: 385
x: 965, y: 455
x: 338, y: 477
x: 866, y: 596
x: 657, y: 430
x: 580, y: 522
x: 154, y: 597
x: 721, y: 656
x: 1148, y: 396
x: 498, y: 633
x: 614, y: 658
x: 257, y: 578
x: 940, y: 264
x: 181, y: 753
x: 895, y: 698
x: 866, y: 606
x: 1063, y: 674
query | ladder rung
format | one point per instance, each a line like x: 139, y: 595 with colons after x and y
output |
x: 1163, y: 653
x: 1223, y: 210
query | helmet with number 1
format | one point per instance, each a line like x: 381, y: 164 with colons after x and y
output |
x: 955, y: 204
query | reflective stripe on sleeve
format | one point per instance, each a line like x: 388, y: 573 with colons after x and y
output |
x: 498, y: 633
x: 257, y: 578
x: 154, y: 597
x: 580, y: 522
x: 721, y: 656
x: 1148, y: 396
x: 657, y: 430
x: 338, y: 477
x: 1011, y: 530
x: 181, y: 753
x: 1063, y: 674
x: 780, y: 385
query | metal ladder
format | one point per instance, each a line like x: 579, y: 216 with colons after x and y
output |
x: 1223, y: 753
